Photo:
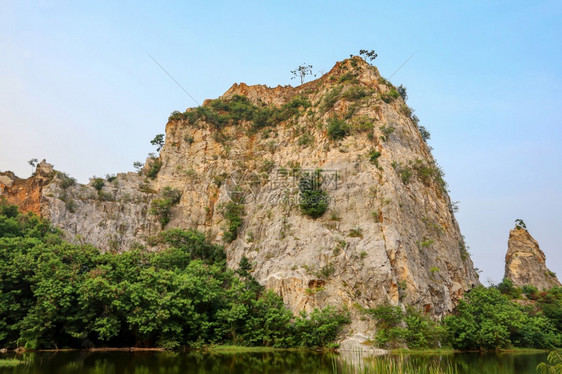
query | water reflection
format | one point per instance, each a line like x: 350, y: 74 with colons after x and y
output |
x: 89, y: 362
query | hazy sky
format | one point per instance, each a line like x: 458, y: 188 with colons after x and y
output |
x: 78, y: 87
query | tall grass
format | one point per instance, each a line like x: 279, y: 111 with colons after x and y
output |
x: 391, y: 365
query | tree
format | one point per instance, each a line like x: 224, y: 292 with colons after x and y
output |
x: 402, y: 91
x: 158, y: 141
x: 368, y: 55
x: 486, y: 319
x: 555, y: 360
x: 244, y: 267
x: 302, y: 71
x: 33, y: 163
x: 55, y: 293
x: 138, y: 165
x: 425, y: 134
x: 98, y: 183
x: 520, y: 224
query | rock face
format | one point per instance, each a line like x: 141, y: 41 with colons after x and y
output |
x: 525, y: 262
x: 26, y: 193
x: 389, y: 234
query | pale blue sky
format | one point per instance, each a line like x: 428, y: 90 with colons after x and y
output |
x: 78, y: 88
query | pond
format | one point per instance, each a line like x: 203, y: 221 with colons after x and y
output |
x: 124, y: 362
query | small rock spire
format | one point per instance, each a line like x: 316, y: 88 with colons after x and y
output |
x: 525, y: 262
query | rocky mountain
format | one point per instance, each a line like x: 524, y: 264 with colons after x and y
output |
x: 328, y: 189
x: 525, y: 262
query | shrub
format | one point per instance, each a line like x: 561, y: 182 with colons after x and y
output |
x: 363, y: 124
x: 426, y: 243
x: 337, y: 129
x: 321, y: 327
x: 66, y: 181
x: 427, y: 173
x: 463, y: 250
x: 506, y: 288
x: 387, y: 131
x: 384, y: 81
x: 413, y: 329
x: 356, y: 233
x: 313, y: 200
x: 305, y: 139
x: 294, y: 106
x: 355, y: 93
x: 172, y: 194
x: 406, y: 110
x: 390, y: 96
x: 325, y: 271
x: 105, y: 196
x: 154, y: 168
x: 176, y: 116
x: 263, y: 118
x: 404, y: 172
x: 402, y: 92
x: 348, y: 77
x: 421, y: 331
x: 161, y: 207
x: 374, y: 156
x: 110, y: 177
x: 530, y: 291
x: 331, y: 98
x: 232, y: 212
x: 98, y: 184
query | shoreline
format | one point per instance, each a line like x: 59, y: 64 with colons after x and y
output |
x: 244, y: 349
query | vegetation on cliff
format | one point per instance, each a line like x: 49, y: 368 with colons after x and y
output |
x: 54, y: 294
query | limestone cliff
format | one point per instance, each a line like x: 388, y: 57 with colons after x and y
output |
x: 525, y: 262
x: 389, y: 233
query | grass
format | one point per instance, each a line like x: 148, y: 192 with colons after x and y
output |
x: 423, y: 351
x: 392, y: 365
x: 243, y: 349
x: 523, y: 350
x: 10, y: 362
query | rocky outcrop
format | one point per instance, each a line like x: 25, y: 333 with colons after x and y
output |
x: 26, y: 193
x: 389, y: 234
x: 525, y: 262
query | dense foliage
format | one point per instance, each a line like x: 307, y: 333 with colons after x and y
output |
x: 396, y: 328
x: 56, y: 294
x: 488, y: 319
x: 238, y: 109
